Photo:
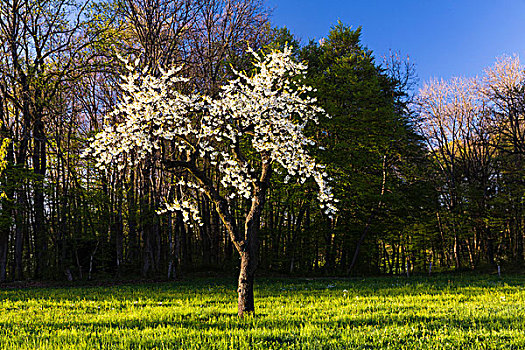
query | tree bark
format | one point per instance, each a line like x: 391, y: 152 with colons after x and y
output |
x: 172, y: 253
x: 146, y: 222
x: 20, y: 229
x: 39, y: 164
x: 119, y: 229
x: 249, y: 250
x: 246, y: 303
x: 4, y: 244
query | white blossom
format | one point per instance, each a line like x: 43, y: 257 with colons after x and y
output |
x: 267, y: 110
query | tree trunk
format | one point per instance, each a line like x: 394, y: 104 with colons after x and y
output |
x: 133, y: 251
x: 20, y: 229
x: 249, y: 248
x: 490, y: 249
x: 519, y: 239
x: 245, y: 288
x: 119, y: 237
x: 39, y: 164
x: 6, y: 214
x: 456, y: 251
x: 146, y: 220
x: 247, y: 243
x: 4, y: 244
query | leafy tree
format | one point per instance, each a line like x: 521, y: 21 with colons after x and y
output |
x: 474, y: 134
x: 370, y: 143
x: 255, y: 125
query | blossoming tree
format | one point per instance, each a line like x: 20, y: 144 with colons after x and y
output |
x: 254, y: 126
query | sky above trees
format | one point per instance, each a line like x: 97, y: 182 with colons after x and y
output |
x: 443, y: 38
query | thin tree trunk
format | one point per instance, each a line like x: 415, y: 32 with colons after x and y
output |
x: 519, y: 238
x: 133, y: 253
x: 470, y: 255
x: 490, y: 248
x: 119, y: 228
x: 295, y: 233
x: 456, y: 250
x: 171, y: 250
x: 39, y: 164
x: 6, y: 213
x: 443, y: 241
x: 91, y: 258
x: 4, y: 244
x: 146, y: 222
x: 20, y: 228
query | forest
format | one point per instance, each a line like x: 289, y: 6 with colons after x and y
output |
x: 427, y: 177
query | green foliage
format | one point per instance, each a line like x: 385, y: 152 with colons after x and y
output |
x: 279, y: 38
x: 444, y: 312
x: 374, y: 155
x: 4, y: 144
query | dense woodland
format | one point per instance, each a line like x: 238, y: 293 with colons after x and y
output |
x: 429, y: 177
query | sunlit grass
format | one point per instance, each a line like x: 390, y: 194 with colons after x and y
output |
x: 398, y: 313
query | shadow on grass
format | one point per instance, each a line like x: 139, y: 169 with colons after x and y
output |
x: 228, y: 322
x: 221, y: 290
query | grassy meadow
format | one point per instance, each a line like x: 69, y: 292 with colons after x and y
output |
x: 443, y: 312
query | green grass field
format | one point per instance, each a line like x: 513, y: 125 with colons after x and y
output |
x: 445, y: 312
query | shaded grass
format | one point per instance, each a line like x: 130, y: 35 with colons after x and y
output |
x: 443, y: 312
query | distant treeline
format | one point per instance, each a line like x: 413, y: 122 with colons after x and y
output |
x: 435, y: 177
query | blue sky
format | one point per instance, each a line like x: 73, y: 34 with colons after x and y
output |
x: 444, y: 38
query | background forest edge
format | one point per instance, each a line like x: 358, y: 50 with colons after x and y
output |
x: 401, y: 207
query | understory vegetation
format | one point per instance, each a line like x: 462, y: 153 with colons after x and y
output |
x: 437, y: 312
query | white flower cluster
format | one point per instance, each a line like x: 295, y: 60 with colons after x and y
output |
x: 273, y: 106
x: 266, y: 111
x: 186, y: 207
